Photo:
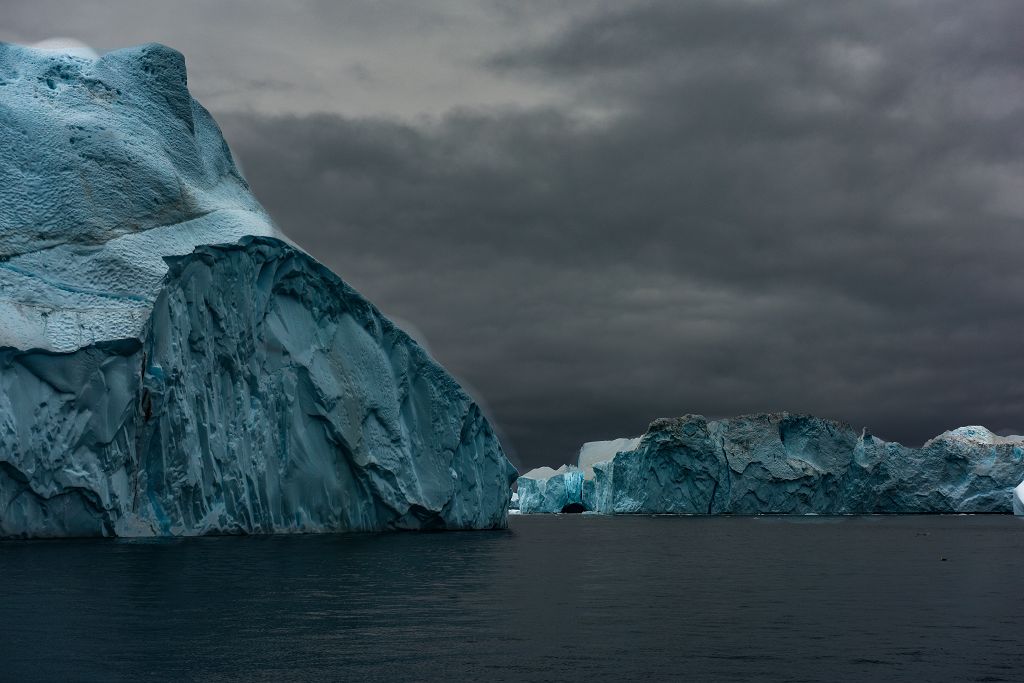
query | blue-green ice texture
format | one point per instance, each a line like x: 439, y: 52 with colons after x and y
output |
x: 170, y: 364
x: 781, y: 463
x: 547, y: 490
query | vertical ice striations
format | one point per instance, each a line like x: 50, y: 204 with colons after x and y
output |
x: 546, y: 490
x: 169, y: 364
x: 781, y: 463
x: 277, y: 398
x: 797, y: 464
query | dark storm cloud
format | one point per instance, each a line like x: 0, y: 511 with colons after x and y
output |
x: 714, y: 207
x: 777, y: 206
x: 367, y: 57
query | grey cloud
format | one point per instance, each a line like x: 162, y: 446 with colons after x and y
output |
x: 356, y: 57
x: 587, y: 278
x: 795, y: 206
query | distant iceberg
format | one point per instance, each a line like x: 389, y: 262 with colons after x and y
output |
x: 170, y: 364
x: 1018, y: 499
x: 781, y: 463
x: 570, y: 488
x: 594, y: 452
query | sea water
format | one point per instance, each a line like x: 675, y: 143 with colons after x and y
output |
x: 566, y: 597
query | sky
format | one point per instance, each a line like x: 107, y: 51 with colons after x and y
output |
x: 595, y: 214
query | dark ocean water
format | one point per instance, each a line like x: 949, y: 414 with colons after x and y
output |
x: 553, y: 598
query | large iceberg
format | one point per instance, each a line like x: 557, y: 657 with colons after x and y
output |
x: 797, y: 464
x: 170, y: 364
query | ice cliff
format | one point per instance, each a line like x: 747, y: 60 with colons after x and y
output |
x: 548, y: 490
x: 169, y: 363
x: 797, y: 464
x: 570, y: 488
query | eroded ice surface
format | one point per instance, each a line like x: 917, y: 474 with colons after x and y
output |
x: 108, y: 165
x: 551, y: 493
x: 169, y: 363
x: 548, y: 490
x: 798, y: 464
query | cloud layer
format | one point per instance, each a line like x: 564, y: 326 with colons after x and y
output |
x: 713, y: 207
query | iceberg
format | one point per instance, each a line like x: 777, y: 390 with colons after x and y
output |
x: 1018, y: 499
x: 571, y: 488
x: 547, y: 490
x: 781, y: 463
x: 170, y: 363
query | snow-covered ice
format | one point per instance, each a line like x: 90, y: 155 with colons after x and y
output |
x: 594, y: 452
x: 1018, y: 499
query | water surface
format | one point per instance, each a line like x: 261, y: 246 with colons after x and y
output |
x: 565, y: 597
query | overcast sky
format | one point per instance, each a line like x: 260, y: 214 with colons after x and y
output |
x: 600, y: 213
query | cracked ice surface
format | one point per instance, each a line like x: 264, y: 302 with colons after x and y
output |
x: 169, y: 363
x: 798, y: 464
x: 791, y: 464
x: 547, y: 490
x: 108, y: 165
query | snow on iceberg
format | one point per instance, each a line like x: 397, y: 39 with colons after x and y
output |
x: 593, y: 452
x: 569, y: 488
x: 169, y: 363
x: 796, y: 464
x: 547, y: 490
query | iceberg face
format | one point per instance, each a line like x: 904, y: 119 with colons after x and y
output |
x: 569, y: 488
x: 170, y: 364
x: 797, y: 464
x: 559, y: 491
x: 790, y: 464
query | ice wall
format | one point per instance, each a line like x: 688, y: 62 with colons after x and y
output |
x: 547, y: 490
x: 780, y: 463
x: 169, y: 363
x: 798, y: 464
